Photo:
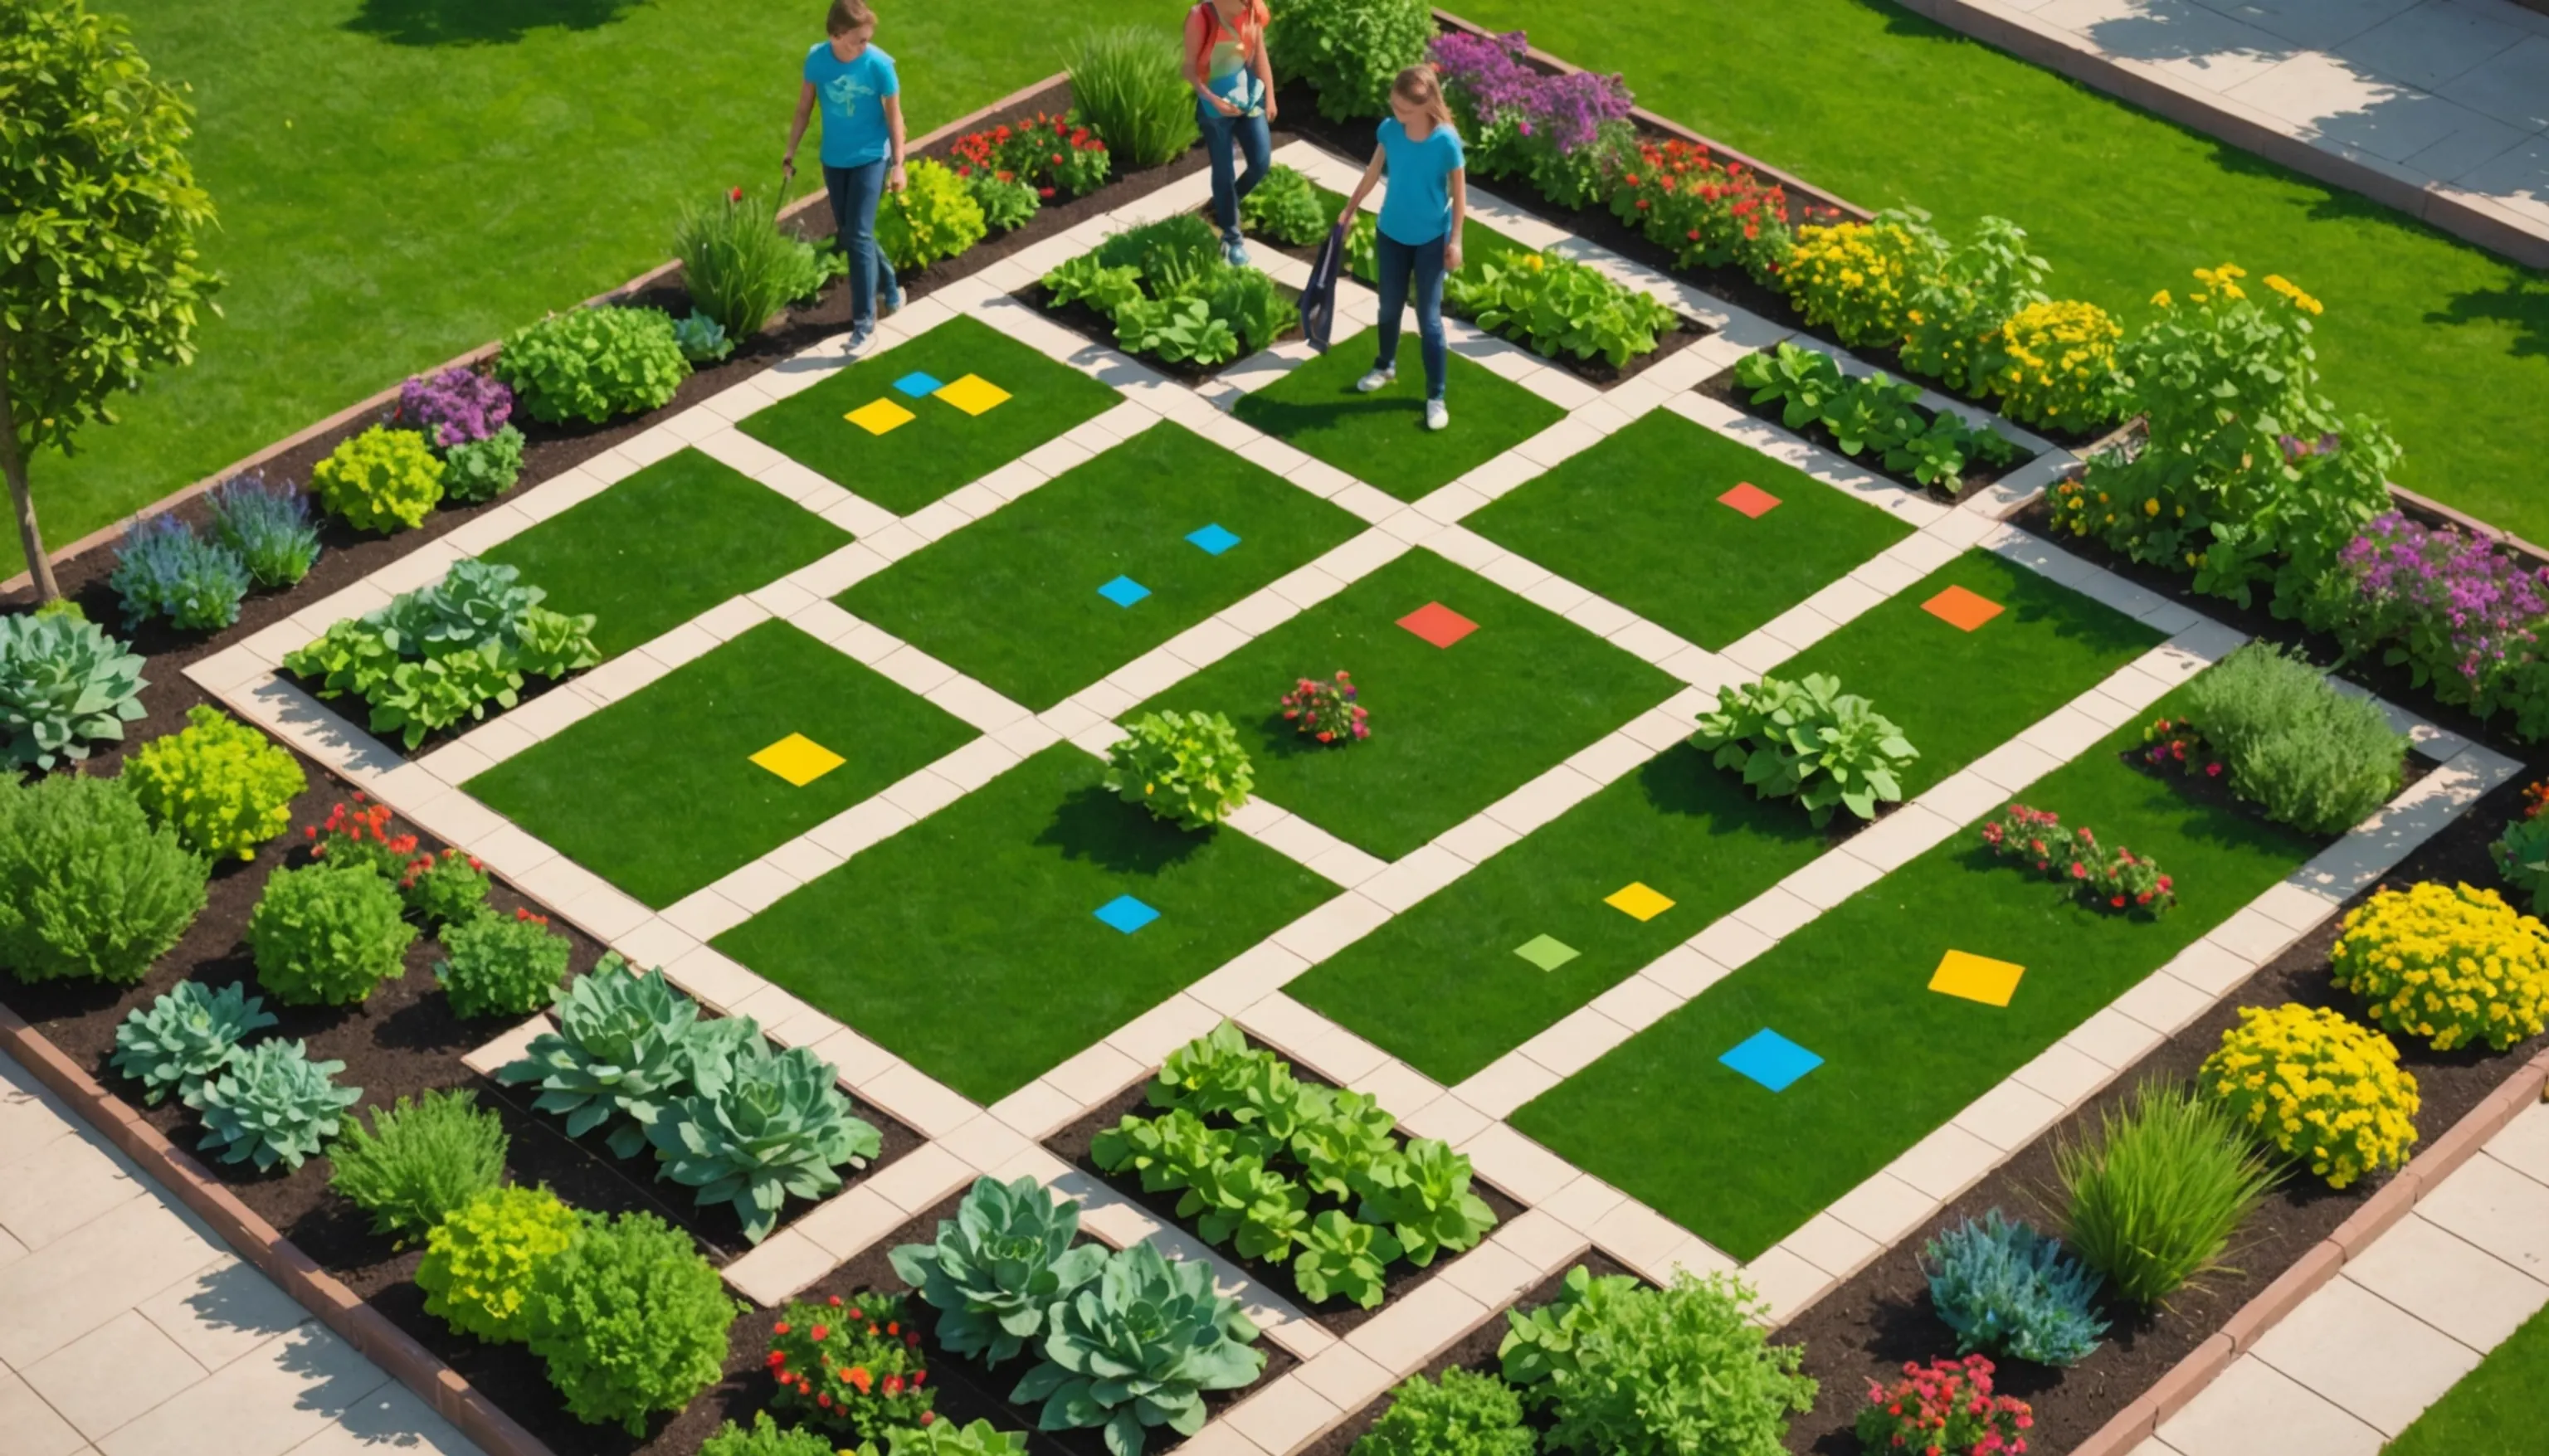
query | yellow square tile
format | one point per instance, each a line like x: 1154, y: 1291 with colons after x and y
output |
x: 1976, y: 978
x: 973, y: 395
x: 799, y: 759
x: 878, y: 417
x: 1639, y: 901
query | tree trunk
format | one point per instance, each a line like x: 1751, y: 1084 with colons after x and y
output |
x: 13, y: 464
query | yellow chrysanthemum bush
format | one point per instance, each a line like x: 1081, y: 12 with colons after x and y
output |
x: 1864, y: 278
x: 2054, y: 363
x: 2446, y: 962
x: 2319, y: 1088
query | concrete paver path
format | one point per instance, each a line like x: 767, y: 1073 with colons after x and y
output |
x: 127, y: 1328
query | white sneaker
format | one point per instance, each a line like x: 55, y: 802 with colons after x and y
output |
x: 1437, y: 416
x: 1378, y: 379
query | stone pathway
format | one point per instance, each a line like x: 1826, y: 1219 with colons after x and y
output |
x: 127, y: 1328
x: 2440, y: 106
x: 2362, y: 1359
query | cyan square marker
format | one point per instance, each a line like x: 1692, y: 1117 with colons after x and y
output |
x: 1771, y: 1059
x: 1126, y: 914
x: 1214, y: 539
x: 1123, y: 590
x: 918, y: 385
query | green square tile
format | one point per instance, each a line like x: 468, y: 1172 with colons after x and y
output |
x: 1547, y: 951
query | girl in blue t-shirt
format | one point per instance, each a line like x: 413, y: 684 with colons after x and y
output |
x: 862, y: 100
x: 1421, y: 215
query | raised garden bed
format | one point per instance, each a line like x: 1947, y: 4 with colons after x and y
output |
x: 1724, y: 388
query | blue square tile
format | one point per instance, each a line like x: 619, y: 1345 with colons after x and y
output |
x: 1123, y: 590
x: 918, y: 385
x: 1214, y: 540
x: 1126, y: 914
x: 1771, y: 1059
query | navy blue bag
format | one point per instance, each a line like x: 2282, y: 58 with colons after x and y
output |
x: 1319, y: 300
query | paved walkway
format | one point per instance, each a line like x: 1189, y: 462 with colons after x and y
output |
x: 127, y: 1328
x: 2362, y: 1359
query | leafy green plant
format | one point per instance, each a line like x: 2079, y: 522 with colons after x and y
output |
x: 2007, y: 1289
x: 2300, y: 751
x: 1089, y: 279
x: 477, y: 471
x: 778, y: 1126
x: 626, y: 1045
x: 1007, y: 203
x: 2523, y: 857
x: 1870, y: 412
x: 419, y: 1161
x: 1424, y: 1197
x: 221, y: 785
x: 630, y: 1320
x: 1187, y: 768
x: 1348, y: 50
x: 1180, y: 330
x: 1802, y: 382
x: 947, y: 1438
x: 933, y: 216
x: 272, y: 1104
x: 1958, y: 312
x: 1241, y: 1201
x: 1461, y: 1415
x: 382, y: 480
x: 1810, y: 740
x: 701, y: 338
x: 89, y: 887
x: 328, y: 935
x: 1166, y: 1153
x: 1249, y: 301
x: 1139, y: 1347
x: 1000, y: 1266
x: 1541, y: 1343
x: 1127, y: 85
x: 766, y: 1437
x: 1553, y: 305
x: 479, y: 1259
x: 185, y: 1036
x: 64, y: 682
x: 739, y: 268
x: 501, y: 966
x: 1662, y: 1372
x: 1342, y: 1258
x: 1209, y: 1073
x: 594, y: 365
x: 1286, y: 208
x: 2156, y: 1191
x: 445, y: 889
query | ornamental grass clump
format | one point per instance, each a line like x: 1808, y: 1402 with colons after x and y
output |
x: 328, y: 936
x: 267, y: 525
x: 479, y: 1259
x: 853, y: 1367
x: 63, y: 685
x: 1127, y: 85
x: 1944, y: 1409
x: 2450, y: 964
x: 501, y: 966
x: 631, y: 1321
x: 186, y: 1037
x: 419, y: 1161
x: 999, y: 1266
x: 2305, y: 754
x: 1326, y: 710
x: 2155, y: 1194
x: 1183, y: 767
x: 272, y: 1104
x: 2317, y: 1088
x: 163, y: 569
x: 1626, y: 1370
x: 90, y: 889
x: 1464, y: 1414
x: 2007, y: 1290
x: 221, y: 785
x: 739, y: 267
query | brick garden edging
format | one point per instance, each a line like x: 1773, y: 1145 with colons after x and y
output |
x: 2137, y: 1421
x: 278, y: 1257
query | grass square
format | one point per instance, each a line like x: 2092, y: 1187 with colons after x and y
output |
x: 1013, y: 601
x: 659, y: 794
x: 1380, y: 438
x: 1637, y: 518
x: 944, y: 447
x: 666, y: 544
x: 976, y: 956
x: 1451, y: 732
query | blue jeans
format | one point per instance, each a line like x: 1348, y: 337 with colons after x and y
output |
x: 1223, y: 138
x: 1421, y: 265
x: 855, y: 193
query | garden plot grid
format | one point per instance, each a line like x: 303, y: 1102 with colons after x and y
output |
x: 1567, y: 1209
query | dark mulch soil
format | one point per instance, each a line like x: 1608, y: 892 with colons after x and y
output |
x: 1722, y: 386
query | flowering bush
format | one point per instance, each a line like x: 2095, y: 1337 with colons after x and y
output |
x: 2318, y: 1087
x: 1863, y: 278
x: 1956, y: 313
x: 358, y: 834
x: 1327, y: 710
x: 1568, y: 133
x: 445, y: 889
x: 1711, y: 215
x: 382, y: 480
x: 220, y: 784
x: 1182, y: 766
x: 454, y: 407
x: 2177, y: 744
x: 1946, y: 1409
x: 2108, y: 876
x: 855, y: 1368
x: 2458, y: 612
x: 2452, y: 965
x: 2054, y: 363
x: 1050, y: 153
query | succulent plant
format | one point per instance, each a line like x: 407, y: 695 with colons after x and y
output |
x: 999, y: 1266
x: 1138, y: 1347
x: 62, y: 683
x: 186, y: 1037
x: 274, y: 1104
x: 778, y: 1126
x: 626, y: 1045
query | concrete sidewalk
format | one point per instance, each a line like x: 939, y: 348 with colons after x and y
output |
x: 127, y: 1330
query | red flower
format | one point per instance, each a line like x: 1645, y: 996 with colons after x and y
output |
x: 736, y: 195
x: 857, y: 1376
x: 780, y: 1328
x: 820, y: 1332
x: 927, y: 1417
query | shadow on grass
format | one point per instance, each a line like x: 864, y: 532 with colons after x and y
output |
x: 480, y: 21
x: 1095, y: 825
x: 1284, y: 418
x: 2523, y: 302
x: 1684, y: 781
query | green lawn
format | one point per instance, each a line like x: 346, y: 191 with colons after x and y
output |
x: 941, y: 447
x: 1453, y: 729
x: 1380, y: 438
x: 977, y: 955
x: 1743, y: 1166
x: 2498, y: 1409
x: 1637, y: 518
x: 658, y: 792
x: 1013, y: 600
x: 618, y: 555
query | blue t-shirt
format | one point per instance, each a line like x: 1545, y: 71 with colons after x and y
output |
x: 852, y: 96
x: 1416, y: 208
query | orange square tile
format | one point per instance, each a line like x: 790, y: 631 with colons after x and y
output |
x: 1958, y: 607
x: 1750, y: 498
x: 1438, y: 624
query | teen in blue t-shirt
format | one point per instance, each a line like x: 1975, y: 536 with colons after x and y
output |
x: 1421, y: 215
x: 862, y: 100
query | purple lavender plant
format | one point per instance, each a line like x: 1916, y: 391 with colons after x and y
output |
x: 458, y: 407
x: 2452, y: 607
x: 1564, y: 113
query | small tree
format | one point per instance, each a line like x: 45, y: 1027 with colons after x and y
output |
x: 99, y: 278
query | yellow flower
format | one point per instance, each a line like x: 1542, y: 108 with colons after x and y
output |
x: 2162, y: 298
x: 2151, y: 506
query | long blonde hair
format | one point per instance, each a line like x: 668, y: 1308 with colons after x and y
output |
x: 1419, y: 86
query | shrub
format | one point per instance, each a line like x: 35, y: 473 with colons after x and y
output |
x: 220, y: 784
x: 2302, y: 752
x: 496, y: 966
x: 1287, y: 207
x: 2462, y: 615
x: 2317, y: 1087
x: 1348, y: 50
x: 2155, y: 1194
x: 775, y: 1125
x: 482, y: 470
x: 999, y: 1266
x: 1326, y: 710
x: 328, y: 936
x: 382, y: 480
x: 2054, y: 364
x: 1460, y: 1415
x: 1139, y: 1349
x: 1554, y: 304
x: 419, y: 1162
x: 2522, y: 858
x: 1007, y: 203
x: 1054, y: 155
x: 186, y: 1037
x: 1981, y: 284
x: 702, y: 338
x: 1811, y: 740
x: 62, y: 684
x: 739, y: 268
x: 2108, y: 876
x: 445, y: 889
x: 854, y: 1368
x: 272, y: 1104
x: 481, y: 1257
x: 267, y: 526
x: 456, y: 407
x: 933, y: 216
x: 1568, y: 132
x: 1863, y: 278
x: 89, y: 887
x: 630, y: 1320
x: 1647, y: 1372
x: 1187, y: 768
x: 1708, y: 214
x: 764, y: 1438
x: 2451, y: 964
x: 1129, y: 84
x: 1947, y: 1410
x: 163, y: 569
x: 593, y: 364
x: 2007, y: 1289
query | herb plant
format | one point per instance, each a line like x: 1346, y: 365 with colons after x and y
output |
x: 999, y: 1266
x: 328, y: 936
x: 89, y: 887
x: 1554, y: 304
x: 419, y: 1161
x: 778, y: 1126
x: 1185, y: 768
x: 765, y: 1437
x: 64, y: 682
x: 223, y: 785
x: 1460, y: 1415
x: 184, y: 1037
x: 2307, y: 754
x: 933, y: 217
x: 382, y: 480
x: 739, y: 267
x: 267, y: 526
x: 2156, y: 1191
x: 482, y: 470
x: 479, y: 1259
x: 501, y: 966
x: 163, y: 569
x: 1139, y: 1347
x: 272, y: 1104
x: 630, y: 1320
x: 1348, y: 50
x: 1007, y: 203
x: 1286, y: 208
x: 2007, y: 1289
x: 593, y: 365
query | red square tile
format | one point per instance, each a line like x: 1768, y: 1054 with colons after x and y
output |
x: 1958, y: 607
x: 1438, y: 624
x: 1750, y: 498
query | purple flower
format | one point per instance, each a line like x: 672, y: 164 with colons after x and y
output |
x: 1490, y: 74
x: 2450, y: 603
x: 457, y: 406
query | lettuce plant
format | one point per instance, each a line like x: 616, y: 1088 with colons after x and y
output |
x: 779, y: 1126
x: 1207, y: 1074
x: 1424, y: 1197
x: 1008, y: 204
x: 163, y: 569
x: 501, y: 966
x: 933, y: 217
x: 1000, y: 1266
x: 1808, y: 740
x: 1089, y: 279
x: 223, y: 785
x: 1342, y: 1258
x: 594, y: 365
x: 1186, y: 768
x: 272, y: 1104
x: 1553, y: 305
x: 1286, y: 208
x: 62, y: 684
x: 1338, y: 1148
x: 1180, y: 330
x: 382, y: 480
x: 1137, y: 1348
x: 1241, y: 1201
x: 1463, y: 1414
x: 1802, y: 382
x: 268, y: 527
x: 184, y: 1037
x: 626, y: 1045
x: 767, y: 1437
x: 477, y: 471
x: 947, y: 1438
x: 1166, y: 1153
x: 1654, y: 1372
x: 480, y: 1258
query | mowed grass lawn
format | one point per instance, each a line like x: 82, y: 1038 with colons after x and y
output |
x: 2496, y: 1410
